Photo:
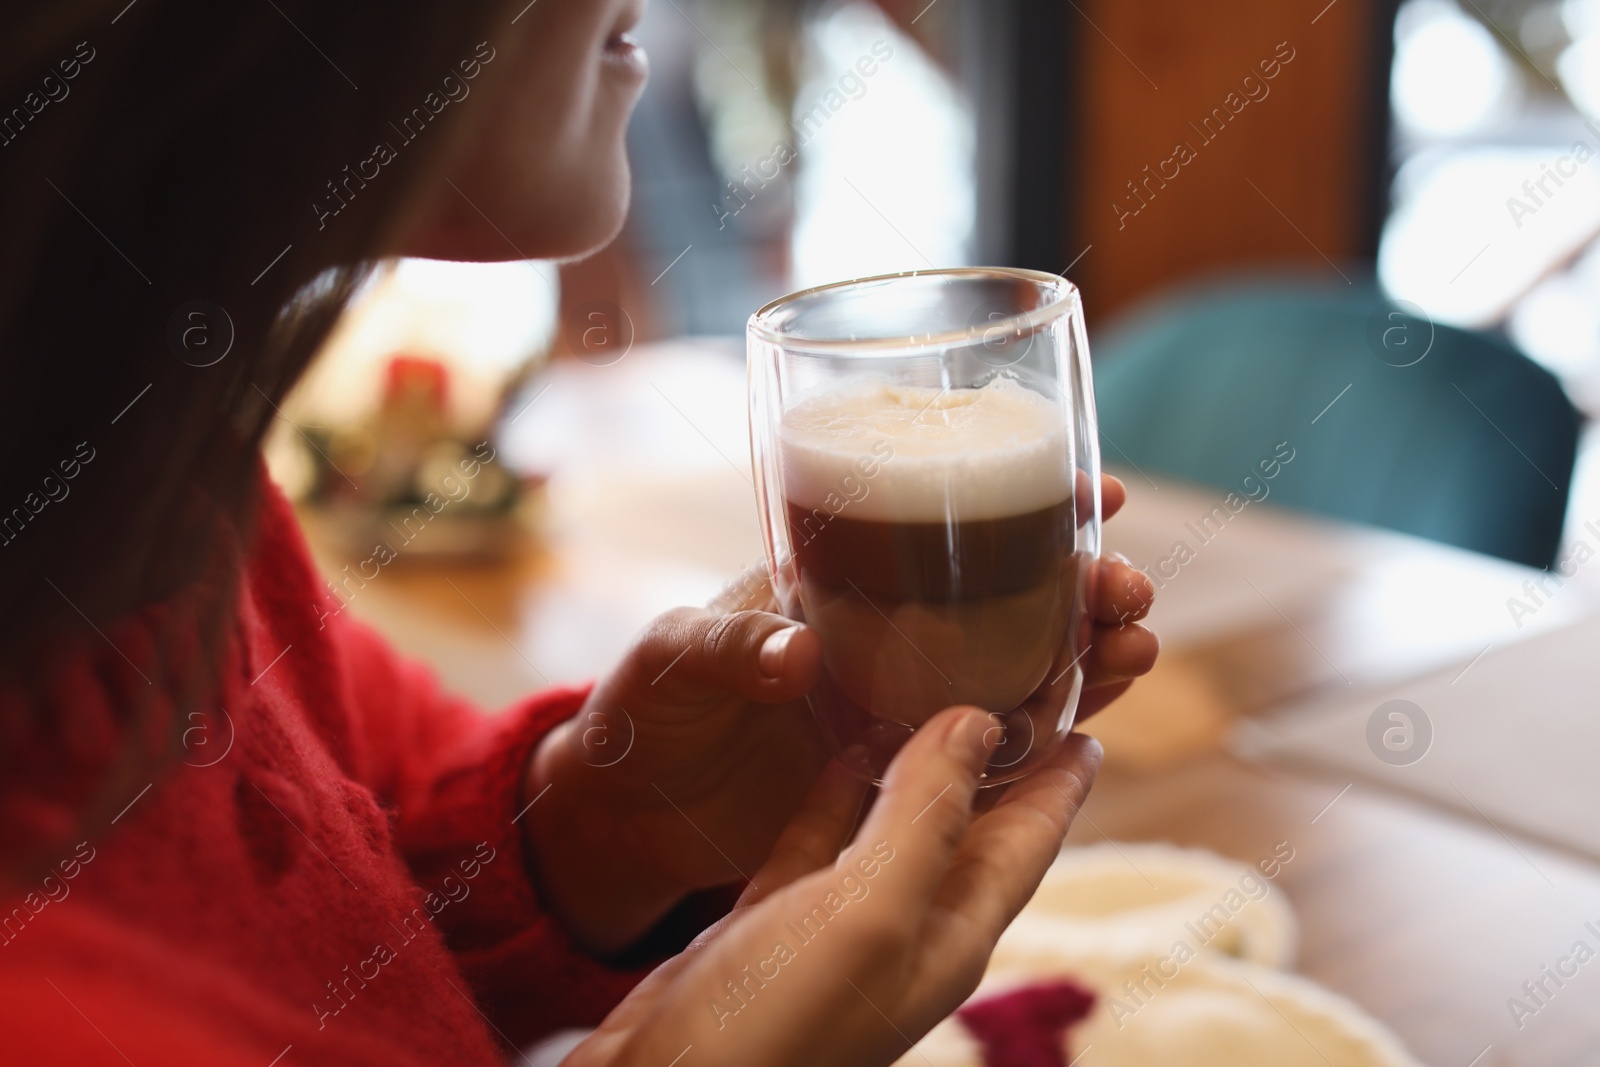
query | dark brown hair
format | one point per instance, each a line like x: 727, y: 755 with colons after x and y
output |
x: 159, y: 162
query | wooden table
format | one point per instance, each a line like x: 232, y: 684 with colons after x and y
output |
x: 1430, y: 917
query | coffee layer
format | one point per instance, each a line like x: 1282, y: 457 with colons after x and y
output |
x: 934, y: 562
x: 920, y: 454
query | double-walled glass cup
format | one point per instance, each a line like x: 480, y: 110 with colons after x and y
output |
x: 928, y: 477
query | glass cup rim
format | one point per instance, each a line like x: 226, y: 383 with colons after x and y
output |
x: 1064, y: 301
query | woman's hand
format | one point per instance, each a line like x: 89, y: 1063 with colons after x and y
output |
x: 685, y: 763
x: 1120, y: 649
x: 846, y: 959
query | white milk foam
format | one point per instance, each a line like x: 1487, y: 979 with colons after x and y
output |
x: 958, y: 454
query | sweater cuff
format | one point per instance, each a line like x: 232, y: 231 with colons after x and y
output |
x: 529, y: 976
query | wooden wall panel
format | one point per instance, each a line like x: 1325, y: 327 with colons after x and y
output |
x: 1294, y: 176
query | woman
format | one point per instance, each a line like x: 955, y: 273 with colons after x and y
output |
x: 234, y: 827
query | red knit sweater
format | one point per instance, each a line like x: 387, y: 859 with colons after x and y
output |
x: 343, y: 884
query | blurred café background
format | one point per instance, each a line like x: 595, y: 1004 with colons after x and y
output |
x: 1360, y: 229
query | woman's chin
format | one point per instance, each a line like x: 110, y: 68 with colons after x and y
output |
x: 588, y: 235
x: 477, y: 233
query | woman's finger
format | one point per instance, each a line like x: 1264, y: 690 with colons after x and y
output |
x: 1113, y: 494
x: 1121, y: 652
x: 1122, y: 592
x: 922, y: 813
x: 814, y: 836
x: 691, y: 654
x: 1008, y: 848
x: 1097, y: 698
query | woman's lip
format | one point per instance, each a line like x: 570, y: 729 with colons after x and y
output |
x: 623, y: 51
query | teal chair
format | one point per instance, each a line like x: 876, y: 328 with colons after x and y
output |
x: 1394, y: 421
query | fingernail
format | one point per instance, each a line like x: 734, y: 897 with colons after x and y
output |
x: 1119, y: 558
x: 772, y: 651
